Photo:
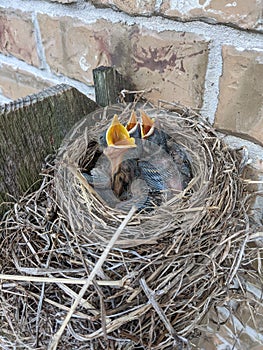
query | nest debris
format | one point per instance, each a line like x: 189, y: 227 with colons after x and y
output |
x: 166, y: 270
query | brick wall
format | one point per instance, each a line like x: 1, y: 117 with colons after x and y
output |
x: 206, y: 54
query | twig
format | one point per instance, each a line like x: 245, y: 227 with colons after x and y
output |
x: 80, y: 281
x: 179, y: 340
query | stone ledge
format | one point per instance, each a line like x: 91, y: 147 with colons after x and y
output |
x: 243, y: 14
x: 132, y: 7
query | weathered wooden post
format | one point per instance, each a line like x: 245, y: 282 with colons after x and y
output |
x: 108, y: 84
x: 30, y: 129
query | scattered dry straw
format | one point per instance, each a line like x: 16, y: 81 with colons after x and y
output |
x: 151, y: 289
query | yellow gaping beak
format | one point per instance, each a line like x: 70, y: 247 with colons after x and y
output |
x: 117, y: 135
x: 147, y: 125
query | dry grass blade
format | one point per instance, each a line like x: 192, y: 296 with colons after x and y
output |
x: 57, y: 280
x: 177, y: 339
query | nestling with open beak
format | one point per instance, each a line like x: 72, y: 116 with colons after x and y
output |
x: 133, y: 126
x: 143, y: 151
x: 119, y: 143
x: 150, y: 131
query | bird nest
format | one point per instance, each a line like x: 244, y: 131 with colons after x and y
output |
x: 95, y: 218
x: 138, y: 279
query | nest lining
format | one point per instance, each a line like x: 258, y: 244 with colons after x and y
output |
x: 151, y: 293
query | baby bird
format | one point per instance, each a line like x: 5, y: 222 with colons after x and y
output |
x: 108, y: 177
x: 123, y: 167
x: 153, y: 134
x: 146, y: 164
x: 150, y: 131
x: 133, y: 126
x: 180, y: 157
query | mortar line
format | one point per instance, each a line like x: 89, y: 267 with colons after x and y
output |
x: 157, y: 6
x: 212, y: 81
x: 39, y: 45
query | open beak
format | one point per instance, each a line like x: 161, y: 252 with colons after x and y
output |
x: 119, y: 142
x: 147, y: 125
x: 118, y: 136
x: 133, y: 126
x: 132, y: 122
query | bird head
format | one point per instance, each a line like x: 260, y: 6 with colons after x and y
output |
x: 117, y: 135
x: 151, y: 131
x: 119, y: 142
